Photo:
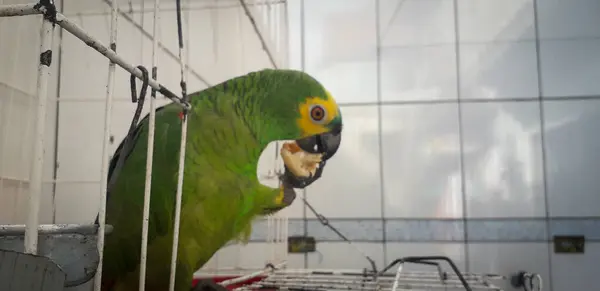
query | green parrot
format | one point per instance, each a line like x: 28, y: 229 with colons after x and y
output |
x: 229, y: 125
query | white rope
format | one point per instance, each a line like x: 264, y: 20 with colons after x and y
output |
x: 149, y: 153
x: 110, y: 88
x: 184, y: 122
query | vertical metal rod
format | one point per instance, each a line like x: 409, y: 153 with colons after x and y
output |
x: 286, y: 37
x: 378, y: 47
x: 184, y: 123
x: 149, y: 153
x: 303, y: 68
x: 180, y: 173
x: 35, y: 181
x: 108, y: 104
x: 57, y: 117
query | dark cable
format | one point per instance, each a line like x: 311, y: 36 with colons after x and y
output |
x: 180, y: 34
x: 183, y: 84
x: 138, y: 111
x: 324, y: 221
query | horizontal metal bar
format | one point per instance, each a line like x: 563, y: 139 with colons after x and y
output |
x: 20, y: 10
x: 78, y: 32
x: 49, y: 229
x: 250, y: 276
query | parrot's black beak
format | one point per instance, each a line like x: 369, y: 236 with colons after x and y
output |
x: 326, y: 144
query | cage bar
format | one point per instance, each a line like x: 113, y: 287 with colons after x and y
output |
x: 35, y: 180
x: 149, y: 153
x: 105, y: 147
x: 180, y: 171
x: 20, y: 10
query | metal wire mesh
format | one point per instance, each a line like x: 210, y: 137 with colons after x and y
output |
x: 315, y: 280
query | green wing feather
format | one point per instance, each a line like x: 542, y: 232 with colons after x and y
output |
x: 221, y: 193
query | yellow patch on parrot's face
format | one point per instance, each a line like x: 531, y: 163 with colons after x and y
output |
x: 316, y: 114
x: 320, y: 126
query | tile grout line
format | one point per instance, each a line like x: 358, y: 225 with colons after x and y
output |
x: 460, y: 138
x: 380, y: 131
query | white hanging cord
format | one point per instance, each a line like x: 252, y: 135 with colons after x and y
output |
x: 149, y: 153
x: 105, y: 146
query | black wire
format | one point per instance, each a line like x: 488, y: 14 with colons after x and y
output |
x: 138, y: 111
x: 324, y: 221
x: 180, y: 35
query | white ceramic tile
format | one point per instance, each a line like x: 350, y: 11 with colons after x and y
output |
x: 341, y: 255
x: 421, y: 161
x: 418, y: 73
x: 454, y: 251
x: 250, y: 256
x: 569, y: 67
x: 340, y: 47
x: 350, y: 184
x: 79, y: 150
x: 507, y: 259
x: 253, y: 55
x: 568, y: 19
x: 576, y: 271
x: 14, y: 201
x: 416, y: 22
x: 572, y: 162
x: 295, y: 34
x: 503, y: 159
x: 84, y: 72
x: 487, y: 21
x: 77, y: 202
x: 16, y: 133
x: 498, y: 70
x: 20, y: 50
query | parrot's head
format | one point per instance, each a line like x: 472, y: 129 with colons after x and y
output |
x: 295, y: 106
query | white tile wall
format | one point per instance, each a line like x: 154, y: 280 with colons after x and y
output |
x: 421, y: 161
x: 418, y: 73
x: 568, y: 67
x: 416, y: 22
x: 498, y: 70
x: 340, y: 47
x: 336, y: 255
x: 494, y: 21
x: 572, y: 162
x: 575, y: 272
x: 503, y: 159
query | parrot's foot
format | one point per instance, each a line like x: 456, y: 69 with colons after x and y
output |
x: 208, y: 285
x: 299, y: 162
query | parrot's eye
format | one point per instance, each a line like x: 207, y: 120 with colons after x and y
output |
x: 317, y: 113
